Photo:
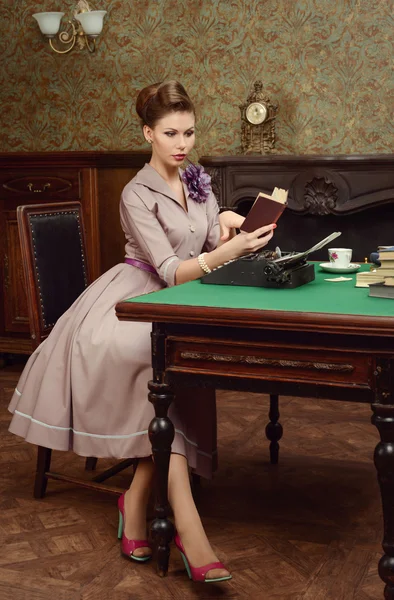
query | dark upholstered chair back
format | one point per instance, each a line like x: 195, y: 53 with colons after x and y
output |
x: 54, y: 261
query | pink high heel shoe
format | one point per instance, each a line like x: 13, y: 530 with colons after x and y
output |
x: 128, y: 546
x: 198, y: 573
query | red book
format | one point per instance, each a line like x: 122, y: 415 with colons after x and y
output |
x: 265, y: 210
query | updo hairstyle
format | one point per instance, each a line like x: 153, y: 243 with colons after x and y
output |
x: 159, y: 99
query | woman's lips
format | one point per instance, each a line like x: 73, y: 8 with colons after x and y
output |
x: 179, y: 156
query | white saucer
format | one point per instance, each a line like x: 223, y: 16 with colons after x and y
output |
x: 329, y: 267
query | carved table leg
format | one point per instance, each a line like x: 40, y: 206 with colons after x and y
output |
x: 274, y: 430
x: 161, y: 435
x: 383, y: 418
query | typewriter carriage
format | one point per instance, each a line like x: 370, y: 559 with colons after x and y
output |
x: 268, y: 268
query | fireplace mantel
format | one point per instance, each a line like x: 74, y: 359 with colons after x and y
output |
x: 353, y: 194
x: 316, y: 184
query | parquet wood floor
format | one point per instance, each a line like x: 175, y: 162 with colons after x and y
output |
x: 307, y: 529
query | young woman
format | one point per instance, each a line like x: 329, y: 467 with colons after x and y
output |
x: 85, y: 388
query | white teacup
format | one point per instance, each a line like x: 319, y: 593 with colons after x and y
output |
x: 340, y: 257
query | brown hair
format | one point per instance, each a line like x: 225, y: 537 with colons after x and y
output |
x: 157, y: 100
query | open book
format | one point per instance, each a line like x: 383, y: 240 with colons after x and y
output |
x: 265, y: 210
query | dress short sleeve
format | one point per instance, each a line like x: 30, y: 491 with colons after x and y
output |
x: 141, y: 222
x: 213, y: 235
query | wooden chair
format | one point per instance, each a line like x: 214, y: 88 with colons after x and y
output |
x: 52, y: 238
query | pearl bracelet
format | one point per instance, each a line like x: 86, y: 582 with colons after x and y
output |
x: 203, y: 265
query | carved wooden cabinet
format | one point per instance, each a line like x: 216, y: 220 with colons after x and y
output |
x: 93, y: 178
x: 351, y: 194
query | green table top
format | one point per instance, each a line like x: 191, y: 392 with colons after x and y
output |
x: 318, y: 296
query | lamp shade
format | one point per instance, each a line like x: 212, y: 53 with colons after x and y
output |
x: 92, y: 21
x: 49, y: 22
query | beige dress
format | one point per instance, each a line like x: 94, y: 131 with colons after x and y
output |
x: 85, y: 387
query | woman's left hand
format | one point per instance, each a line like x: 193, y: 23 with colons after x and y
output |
x: 229, y: 221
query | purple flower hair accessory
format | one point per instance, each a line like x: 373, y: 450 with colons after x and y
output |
x: 198, y: 182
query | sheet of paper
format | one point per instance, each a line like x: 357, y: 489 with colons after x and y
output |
x: 339, y: 279
x: 317, y: 246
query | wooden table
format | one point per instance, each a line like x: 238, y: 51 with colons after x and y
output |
x: 325, y: 340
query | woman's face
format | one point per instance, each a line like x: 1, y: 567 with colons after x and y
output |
x: 172, y: 138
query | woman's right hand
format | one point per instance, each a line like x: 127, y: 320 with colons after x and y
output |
x: 245, y: 243
x: 241, y: 244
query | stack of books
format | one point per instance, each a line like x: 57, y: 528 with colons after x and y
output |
x: 384, y: 289
x: 386, y: 258
x: 378, y: 274
x: 365, y: 278
x: 374, y: 258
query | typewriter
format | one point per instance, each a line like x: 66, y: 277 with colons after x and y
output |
x: 268, y: 268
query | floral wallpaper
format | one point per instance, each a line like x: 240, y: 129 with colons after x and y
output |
x: 328, y: 64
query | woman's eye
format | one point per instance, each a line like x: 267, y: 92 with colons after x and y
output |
x: 170, y: 133
x: 190, y: 133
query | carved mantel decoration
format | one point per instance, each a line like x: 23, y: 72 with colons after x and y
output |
x: 258, y: 122
x: 320, y: 196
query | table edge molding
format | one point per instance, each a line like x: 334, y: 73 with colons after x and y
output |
x: 267, y: 319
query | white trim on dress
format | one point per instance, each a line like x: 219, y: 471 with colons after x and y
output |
x: 103, y: 436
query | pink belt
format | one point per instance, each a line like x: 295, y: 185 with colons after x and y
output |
x: 134, y: 262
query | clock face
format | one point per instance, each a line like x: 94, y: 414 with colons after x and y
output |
x: 256, y: 113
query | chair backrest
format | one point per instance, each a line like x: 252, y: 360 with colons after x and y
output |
x: 54, y: 260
